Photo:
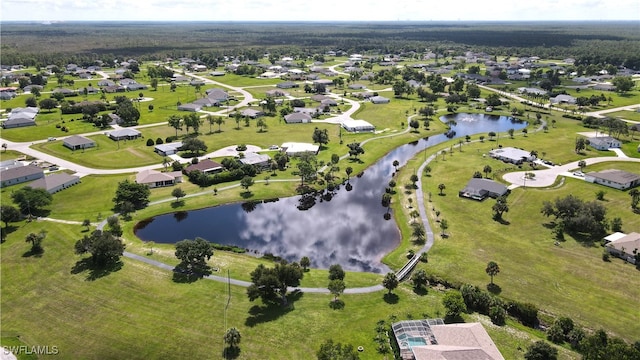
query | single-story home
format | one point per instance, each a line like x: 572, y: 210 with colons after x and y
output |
x: 76, y: 142
x: 287, y: 85
x: 18, y: 121
x: 379, y: 100
x: 275, y: 93
x: 154, y: 178
x: 604, y: 142
x: 217, y: 94
x: 433, y: 339
x: 168, y: 148
x: 356, y: 86
x: 252, y: 113
x: 260, y: 160
x: 207, y: 102
x: 20, y: 174
x: 207, y: 166
x: 56, y: 182
x: 625, y: 246
x: 306, y: 110
x: 357, y: 126
x: 297, y: 118
x: 512, y: 155
x: 190, y: 107
x: 294, y: 148
x: 480, y: 189
x: 616, y: 179
x: 563, y: 99
x: 124, y: 134
x: 115, y: 119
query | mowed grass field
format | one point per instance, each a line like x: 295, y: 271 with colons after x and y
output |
x: 138, y: 312
x: 568, y: 279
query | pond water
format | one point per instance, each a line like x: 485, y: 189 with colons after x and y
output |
x: 346, y: 226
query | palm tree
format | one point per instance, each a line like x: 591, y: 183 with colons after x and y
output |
x: 395, y: 164
x: 232, y: 337
x: 211, y: 121
x: 492, y: 269
x: 487, y: 169
x: 219, y: 121
x: 348, y: 170
x: 441, y: 187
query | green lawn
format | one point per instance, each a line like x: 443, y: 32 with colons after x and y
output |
x: 570, y: 279
x: 138, y: 312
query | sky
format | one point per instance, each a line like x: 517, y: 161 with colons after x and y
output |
x: 310, y: 10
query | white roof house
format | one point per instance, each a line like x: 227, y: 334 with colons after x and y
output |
x: 168, y: 148
x: 294, y: 148
x: 357, y: 126
x: 512, y: 155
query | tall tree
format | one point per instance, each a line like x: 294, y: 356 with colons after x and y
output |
x: 194, y: 145
x: 271, y: 284
x: 355, y: 150
x: 320, y: 136
x: 336, y: 272
x: 133, y: 193
x: 232, y: 337
x: 419, y: 279
x: 441, y: 187
x: 635, y: 198
x: 103, y: 246
x: 178, y: 193
x: 492, y: 269
x: 31, y: 200
x: 36, y: 241
x: 390, y: 281
x: 305, y: 262
x: 500, y: 207
x: 193, y: 256
x: 336, y: 288
x: 336, y: 351
x: 175, y: 122
x: 9, y: 214
x: 487, y: 170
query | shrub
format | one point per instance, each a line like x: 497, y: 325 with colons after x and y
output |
x: 150, y: 142
x: 159, y: 141
x: 498, y: 315
x: 526, y: 313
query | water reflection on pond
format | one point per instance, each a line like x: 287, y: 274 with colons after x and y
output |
x: 344, y: 226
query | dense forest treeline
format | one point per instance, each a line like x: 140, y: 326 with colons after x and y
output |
x: 616, y: 43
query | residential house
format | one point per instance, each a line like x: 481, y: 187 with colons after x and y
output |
x: 106, y: 82
x: 356, y: 86
x: 287, y: 85
x: 275, y: 93
x: 76, y: 142
x: 20, y: 174
x: 168, y: 148
x: 56, y: 182
x: 260, y: 160
x: 357, y: 126
x: 297, y: 118
x: 207, y: 166
x: 379, y: 100
x: 154, y: 178
x: 206, y: 102
x: 480, y: 189
x: 217, y: 94
x: 124, y: 134
x: 18, y: 121
x: 115, y: 119
x: 512, y: 155
x: 190, y: 107
x: 563, y: 99
x: 432, y: 339
x: 252, y: 113
x: 293, y: 148
x: 65, y: 92
x: 626, y: 247
x: 604, y: 87
x: 616, y: 179
x: 604, y: 142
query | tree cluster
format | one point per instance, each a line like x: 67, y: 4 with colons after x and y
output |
x: 577, y: 216
x: 105, y: 248
x: 270, y: 284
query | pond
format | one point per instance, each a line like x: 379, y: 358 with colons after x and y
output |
x: 346, y: 226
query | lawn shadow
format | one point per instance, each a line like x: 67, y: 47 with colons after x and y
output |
x: 231, y: 352
x: 95, y: 271
x: 495, y: 289
x: 453, y: 319
x: 177, y: 204
x: 246, y: 194
x: 336, y: 304
x: 259, y: 314
x: 391, y: 298
x: 33, y: 252
x: 502, y: 221
x: 183, y: 276
x: 420, y: 290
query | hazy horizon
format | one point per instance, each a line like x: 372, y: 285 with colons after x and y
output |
x: 327, y: 11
